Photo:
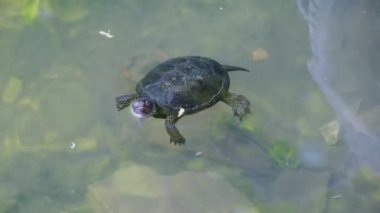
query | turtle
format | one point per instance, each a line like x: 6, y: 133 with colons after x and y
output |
x: 182, y: 86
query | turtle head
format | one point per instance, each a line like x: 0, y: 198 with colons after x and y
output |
x: 143, y: 107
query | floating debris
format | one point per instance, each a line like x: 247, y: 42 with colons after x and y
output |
x: 330, y: 132
x: 260, y: 54
x: 72, y: 145
x: 337, y: 196
x: 198, y: 154
x: 106, y: 34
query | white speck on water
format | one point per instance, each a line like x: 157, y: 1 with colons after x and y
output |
x: 180, y: 112
x: 337, y: 196
x: 198, y: 154
x: 72, y: 145
x: 324, y: 78
x: 106, y: 34
x: 221, y: 8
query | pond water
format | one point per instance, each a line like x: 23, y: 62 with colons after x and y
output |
x: 65, y: 147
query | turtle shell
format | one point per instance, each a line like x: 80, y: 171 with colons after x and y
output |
x: 193, y: 83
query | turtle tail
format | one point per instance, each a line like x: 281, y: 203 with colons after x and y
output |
x: 229, y: 68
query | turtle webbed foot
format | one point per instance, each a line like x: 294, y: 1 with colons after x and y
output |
x: 178, y: 139
x: 240, y: 105
x: 124, y: 101
x: 175, y: 136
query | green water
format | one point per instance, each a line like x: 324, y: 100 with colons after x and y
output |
x: 60, y: 134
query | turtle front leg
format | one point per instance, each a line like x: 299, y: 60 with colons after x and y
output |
x: 175, y: 136
x: 240, y: 104
x: 124, y: 101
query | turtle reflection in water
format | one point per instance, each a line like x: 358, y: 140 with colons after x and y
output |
x: 183, y: 86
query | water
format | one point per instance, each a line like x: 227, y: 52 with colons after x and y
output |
x: 65, y: 148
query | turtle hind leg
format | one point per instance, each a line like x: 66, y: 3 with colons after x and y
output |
x: 240, y: 105
x: 124, y: 101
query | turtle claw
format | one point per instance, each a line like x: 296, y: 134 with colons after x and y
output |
x: 179, y: 140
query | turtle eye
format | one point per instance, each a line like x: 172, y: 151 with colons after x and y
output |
x: 147, y: 103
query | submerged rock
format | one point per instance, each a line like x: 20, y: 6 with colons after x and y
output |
x: 141, y: 189
x: 300, y: 191
x: 331, y: 132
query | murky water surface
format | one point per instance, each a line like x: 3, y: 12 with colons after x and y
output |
x: 65, y: 147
